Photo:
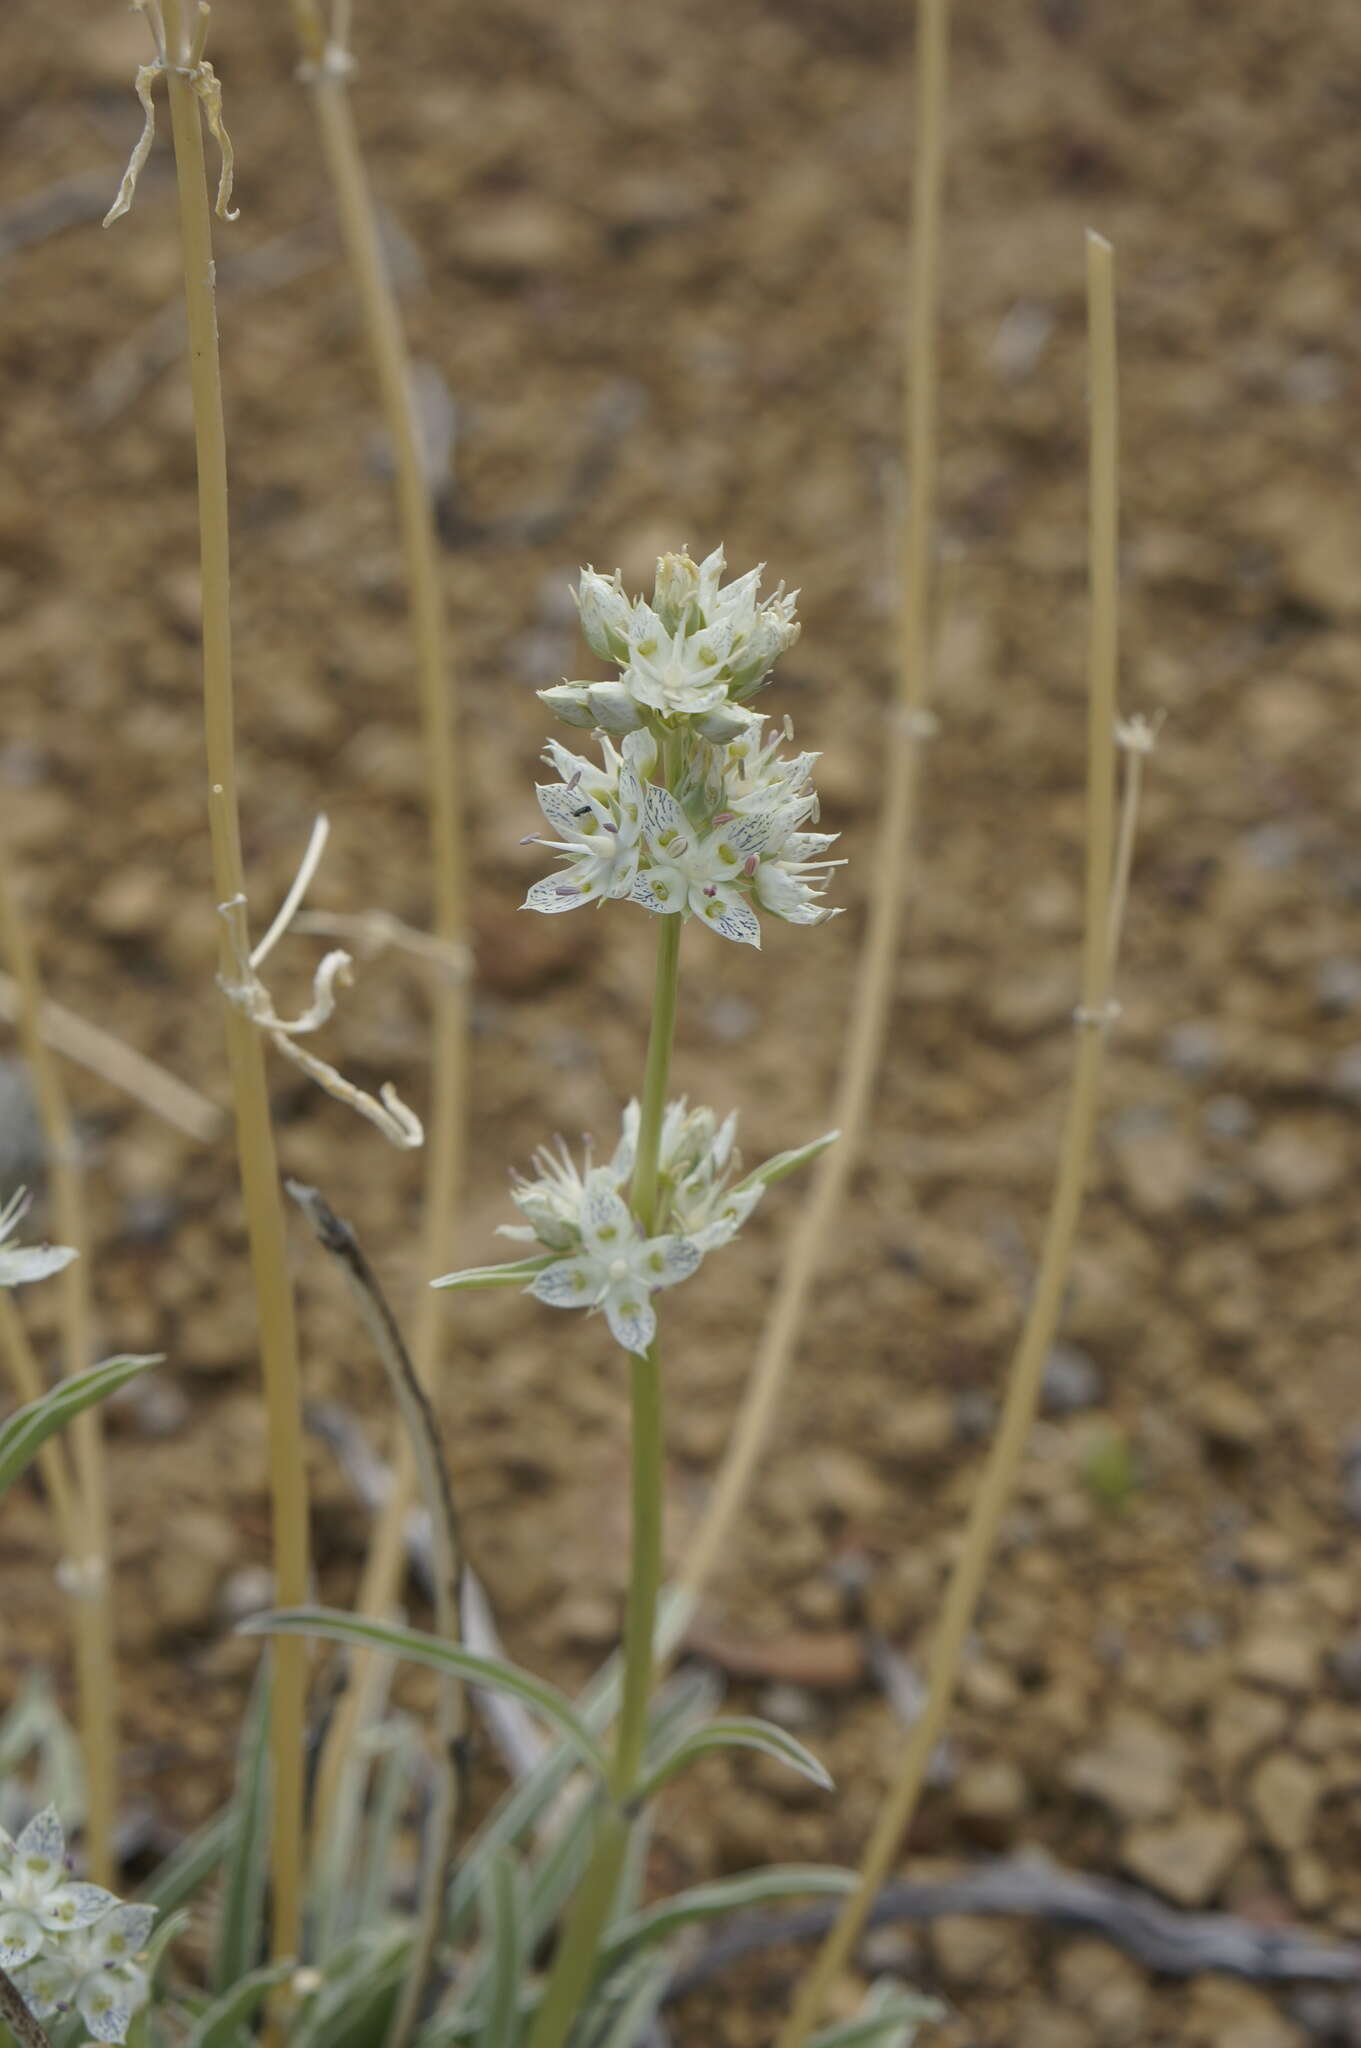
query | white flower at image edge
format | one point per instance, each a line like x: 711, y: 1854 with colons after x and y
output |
x: 36, y: 1897
x: 95, y: 1974
x: 617, y: 1268
x: 18, y: 1262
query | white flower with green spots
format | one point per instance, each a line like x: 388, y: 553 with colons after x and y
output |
x: 94, y: 1973
x: 616, y: 1269
x: 37, y: 1899
x: 729, y: 841
x: 595, y: 1255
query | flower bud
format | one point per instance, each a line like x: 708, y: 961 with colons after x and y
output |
x: 677, y: 588
x: 605, y: 614
x: 571, y: 702
x: 613, y: 708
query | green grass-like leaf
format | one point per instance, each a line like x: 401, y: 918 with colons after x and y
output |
x: 739, y: 1732
x: 241, y: 1929
x: 506, y: 1933
x: 25, y: 1432
x: 219, y: 2025
x: 419, y: 1648
x: 728, y: 1895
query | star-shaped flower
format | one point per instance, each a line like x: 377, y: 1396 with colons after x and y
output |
x: 617, y: 1269
x: 36, y: 1897
x: 94, y: 1973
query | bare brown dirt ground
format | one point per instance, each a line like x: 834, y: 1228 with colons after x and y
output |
x: 657, y: 257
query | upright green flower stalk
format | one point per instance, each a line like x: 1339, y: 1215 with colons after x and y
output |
x: 194, y: 96
x: 695, y: 814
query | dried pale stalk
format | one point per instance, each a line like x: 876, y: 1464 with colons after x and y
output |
x: 911, y: 722
x: 76, y: 1039
x: 88, y: 1543
x: 180, y: 58
x: 1093, y: 1019
x: 326, y: 68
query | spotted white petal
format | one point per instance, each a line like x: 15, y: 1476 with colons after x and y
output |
x: 21, y: 1936
x: 41, y: 1849
x: 606, y: 1223
x: 123, y: 1932
x: 726, y: 913
x: 560, y: 892
x: 660, y: 887
x: 74, y: 1905
x: 567, y: 810
x: 631, y: 1317
x: 46, y: 1983
x: 568, y: 1283
x: 22, y: 1263
x: 665, y: 820
x: 105, y: 2007
x: 666, y: 1260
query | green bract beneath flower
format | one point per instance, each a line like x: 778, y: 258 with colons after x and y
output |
x: 595, y: 1254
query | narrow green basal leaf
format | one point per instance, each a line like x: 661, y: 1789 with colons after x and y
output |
x: 893, y: 2025
x: 420, y: 1648
x: 190, y: 1866
x: 25, y: 1432
x: 167, y: 1931
x: 503, y: 1918
x: 241, y: 1934
x: 509, y: 1275
x: 634, y: 2006
x: 526, y: 1804
x: 728, y: 1895
x: 395, y: 1775
x: 739, y: 1732
x: 218, y: 2026
x: 355, y: 2003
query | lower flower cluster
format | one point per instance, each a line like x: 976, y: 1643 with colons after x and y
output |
x: 721, y: 837
x: 596, y: 1255
x: 70, y: 1947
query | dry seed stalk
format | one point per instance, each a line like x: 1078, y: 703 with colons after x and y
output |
x: 910, y: 723
x: 100, y: 1053
x: 326, y: 68
x: 1093, y: 1018
x: 180, y: 59
x: 87, y: 1538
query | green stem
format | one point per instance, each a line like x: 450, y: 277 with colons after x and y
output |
x: 646, y: 1574
x: 643, y: 1193
x: 574, y: 1965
